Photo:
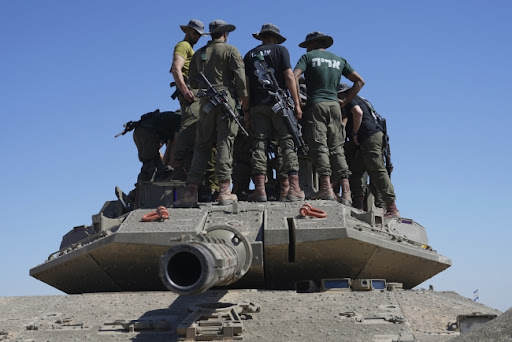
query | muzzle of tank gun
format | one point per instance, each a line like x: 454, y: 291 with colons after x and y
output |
x: 218, y: 258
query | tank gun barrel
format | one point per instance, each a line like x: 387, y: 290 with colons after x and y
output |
x: 219, y: 257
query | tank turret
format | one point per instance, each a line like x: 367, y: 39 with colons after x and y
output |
x: 245, y: 245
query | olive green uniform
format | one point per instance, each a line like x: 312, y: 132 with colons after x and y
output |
x: 154, y: 130
x: 189, y: 111
x: 222, y: 65
x: 369, y: 158
x: 322, y: 128
x: 266, y: 122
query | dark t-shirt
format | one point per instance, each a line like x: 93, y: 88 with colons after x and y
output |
x: 165, y: 124
x: 277, y: 58
x: 322, y: 71
x: 369, y: 124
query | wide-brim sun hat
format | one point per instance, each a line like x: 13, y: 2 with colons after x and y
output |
x: 272, y: 29
x: 195, y: 24
x: 342, y: 87
x: 317, y: 36
x: 220, y: 26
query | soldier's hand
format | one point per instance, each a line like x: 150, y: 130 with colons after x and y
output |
x: 298, y: 112
x: 355, y: 140
x: 189, y: 96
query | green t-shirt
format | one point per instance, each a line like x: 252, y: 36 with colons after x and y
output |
x: 322, y: 71
x: 184, y: 49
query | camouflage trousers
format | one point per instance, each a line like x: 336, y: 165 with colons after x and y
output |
x: 148, y: 147
x: 187, y: 135
x: 266, y: 125
x: 368, y: 158
x: 213, y: 129
x: 325, y: 134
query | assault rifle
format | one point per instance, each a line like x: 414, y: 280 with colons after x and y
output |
x: 283, y: 101
x: 177, y: 92
x: 218, y: 98
x: 387, y: 149
x: 131, y: 125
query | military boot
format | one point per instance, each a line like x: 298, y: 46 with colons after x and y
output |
x: 259, y: 194
x: 189, y: 199
x: 225, y: 195
x: 295, y: 193
x: 358, y: 202
x: 179, y: 171
x: 391, y: 211
x: 325, y: 192
x: 346, y: 196
x: 285, y: 187
x: 126, y: 202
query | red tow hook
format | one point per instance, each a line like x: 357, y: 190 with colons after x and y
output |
x: 308, y: 210
x: 160, y: 214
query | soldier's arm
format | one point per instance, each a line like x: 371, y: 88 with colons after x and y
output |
x: 176, y: 70
x: 239, y: 78
x: 357, y: 118
x: 293, y: 87
x: 240, y: 83
x: 348, y: 95
x: 297, y: 73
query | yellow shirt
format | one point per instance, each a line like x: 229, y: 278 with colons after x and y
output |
x: 184, y: 49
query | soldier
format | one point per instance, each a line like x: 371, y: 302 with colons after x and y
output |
x: 367, y: 134
x: 223, y: 66
x: 152, y: 131
x: 265, y: 122
x: 322, y: 126
x: 183, y: 53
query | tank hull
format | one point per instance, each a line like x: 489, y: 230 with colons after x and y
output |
x: 408, y: 315
x: 287, y: 248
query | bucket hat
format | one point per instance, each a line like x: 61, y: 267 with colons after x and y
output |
x: 272, y: 29
x: 220, y: 26
x: 342, y: 87
x: 195, y: 24
x: 317, y: 36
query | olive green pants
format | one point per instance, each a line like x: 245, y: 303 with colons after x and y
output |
x: 187, y: 135
x: 325, y: 134
x: 369, y: 159
x: 268, y: 124
x: 213, y: 129
x: 148, y: 147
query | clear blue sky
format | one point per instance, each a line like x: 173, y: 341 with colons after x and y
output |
x: 72, y: 72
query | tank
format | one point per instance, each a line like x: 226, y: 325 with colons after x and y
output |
x: 245, y: 245
x: 301, y: 271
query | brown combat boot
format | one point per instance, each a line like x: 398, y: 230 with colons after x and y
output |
x: 295, y: 193
x: 325, y: 192
x: 391, y: 211
x: 358, y: 202
x: 259, y: 194
x: 346, y: 196
x: 284, y: 184
x: 189, y: 199
x: 225, y: 196
x: 179, y: 171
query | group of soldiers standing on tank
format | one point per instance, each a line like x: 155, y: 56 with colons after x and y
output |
x: 207, y: 136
